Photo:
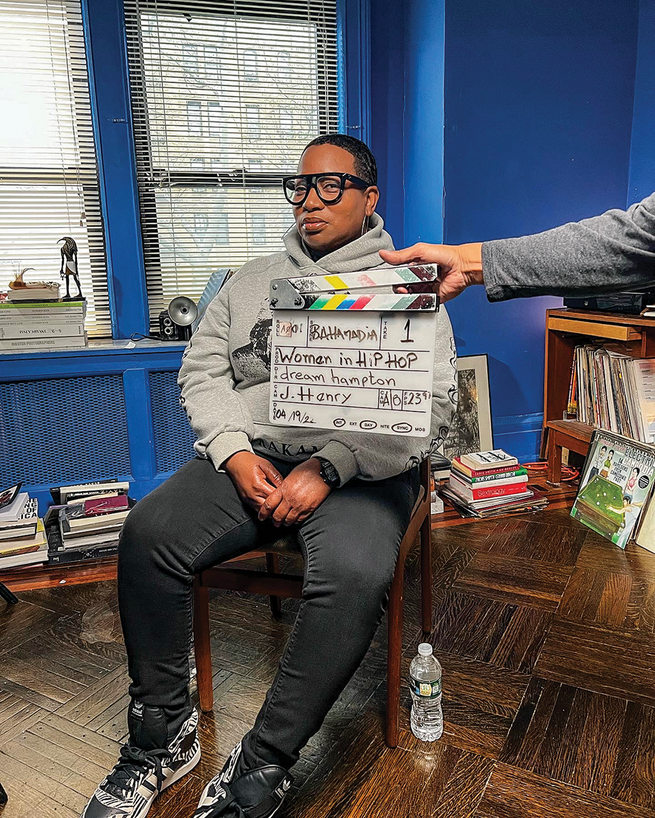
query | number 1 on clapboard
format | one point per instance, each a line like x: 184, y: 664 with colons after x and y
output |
x: 407, y: 326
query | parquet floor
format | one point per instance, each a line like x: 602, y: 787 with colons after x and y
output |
x: 547, y: 637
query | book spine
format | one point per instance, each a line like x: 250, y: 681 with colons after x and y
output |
x: 21, y: 532
x: 483, y: 482
x: 79, y: 555
x: 10, y: 312
x: 571, y: 403
x: 514, y: 476
x: 487, y: 472
x: 43, y: 343
x: 489, y: 491
x: 30, y: 330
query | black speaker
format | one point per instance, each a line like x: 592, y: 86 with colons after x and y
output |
x: 175, y: 322
x: 627, y: 303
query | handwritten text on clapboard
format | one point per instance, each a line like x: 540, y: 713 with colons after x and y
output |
x: 356, y: 371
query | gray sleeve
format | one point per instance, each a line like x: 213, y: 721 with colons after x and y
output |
x: 216, y: 412
x: 615, y: 251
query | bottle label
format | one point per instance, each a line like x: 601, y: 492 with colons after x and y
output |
x: 427, y: 690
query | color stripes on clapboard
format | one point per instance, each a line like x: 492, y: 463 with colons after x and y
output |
x: 379, y: 277
x: 384, y: 302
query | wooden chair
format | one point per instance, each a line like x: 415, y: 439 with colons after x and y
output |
x: 277, y: 585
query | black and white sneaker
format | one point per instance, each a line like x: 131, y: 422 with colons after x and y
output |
x: 239, y: 793
x: 141, y: 774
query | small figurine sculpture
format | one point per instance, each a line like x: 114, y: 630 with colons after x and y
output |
x: 69, y: 267
x: 19, y: 284
x: 40, y: 289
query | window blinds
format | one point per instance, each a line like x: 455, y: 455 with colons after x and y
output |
x: 48, y: 172
x: 225, y: 95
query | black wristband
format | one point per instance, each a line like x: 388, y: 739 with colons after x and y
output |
x: 329, y: 474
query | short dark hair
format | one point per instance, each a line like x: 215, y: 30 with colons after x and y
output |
x: 365, y: 164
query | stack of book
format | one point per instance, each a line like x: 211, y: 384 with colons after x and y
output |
x: 488, y: 484
x: 22, y: 535
x: 86, y: 521
x: 36, y: 324
x: 613, y: 391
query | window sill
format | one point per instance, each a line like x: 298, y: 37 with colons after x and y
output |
x: 97, y: 347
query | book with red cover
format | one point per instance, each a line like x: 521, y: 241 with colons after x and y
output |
x: 105, y: 505
x: 457, y: 462
x: 518, y: 476
x: 483, y: 492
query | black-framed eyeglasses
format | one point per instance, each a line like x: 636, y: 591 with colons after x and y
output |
x: 329, y: 187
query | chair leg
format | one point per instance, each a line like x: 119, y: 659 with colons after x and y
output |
x: 426, y: 575
x: 202, y: 645
x: 394, y: 652
x: 273, y: 567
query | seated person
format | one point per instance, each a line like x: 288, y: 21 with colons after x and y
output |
x: 347, y: 496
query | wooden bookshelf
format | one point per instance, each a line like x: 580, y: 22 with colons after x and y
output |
x: 566, y: 329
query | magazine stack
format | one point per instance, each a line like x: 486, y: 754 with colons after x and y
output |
x: 613, y: 391
x: 22, y: 536
x: 86, y: 521
x: 45, y: 325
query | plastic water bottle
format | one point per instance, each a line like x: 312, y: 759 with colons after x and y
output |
x: 425, y: 684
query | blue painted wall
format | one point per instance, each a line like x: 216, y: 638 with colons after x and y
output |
x: 424, y: 121
x: 538, y: 104
x: 407, y: 115
x: 642, y: 153
x: 387, y: 109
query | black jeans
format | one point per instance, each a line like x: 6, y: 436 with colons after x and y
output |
x: 195, y: 520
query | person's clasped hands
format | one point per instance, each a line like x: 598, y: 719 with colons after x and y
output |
x: 286, y: 500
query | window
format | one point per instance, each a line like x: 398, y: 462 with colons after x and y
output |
x: 194, y: 118
x: 200, y: 222
x: 212, y: 64
x: 250, y: 65
x: 221, y: 229
x: 48, y: 172
x: 258, y: 227
x: 230, y: 119
x: 215, y: 120
x: 252, y: 121
x: 284, y: 63
x: 286, y: 122
x: 190, y: 64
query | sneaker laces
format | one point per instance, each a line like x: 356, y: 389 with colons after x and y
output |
x: 132, y: 764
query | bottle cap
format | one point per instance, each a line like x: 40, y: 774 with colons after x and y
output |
x: 425, y: 649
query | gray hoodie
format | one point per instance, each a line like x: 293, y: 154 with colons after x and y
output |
x: 226, y: 368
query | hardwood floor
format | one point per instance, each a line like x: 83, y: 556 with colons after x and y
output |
x: 546, y: 633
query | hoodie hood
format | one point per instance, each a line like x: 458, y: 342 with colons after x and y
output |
x: 361, y: 254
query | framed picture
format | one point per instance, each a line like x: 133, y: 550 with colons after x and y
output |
x: 616, y: 483
x: 471, y: 429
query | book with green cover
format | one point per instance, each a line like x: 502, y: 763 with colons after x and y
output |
x: 617, y: 482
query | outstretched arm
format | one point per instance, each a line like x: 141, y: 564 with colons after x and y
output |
x: 614, y: 251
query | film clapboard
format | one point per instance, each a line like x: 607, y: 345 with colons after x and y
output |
x: 345, y: 357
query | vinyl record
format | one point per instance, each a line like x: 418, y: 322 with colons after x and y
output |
x: 183, y: 311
